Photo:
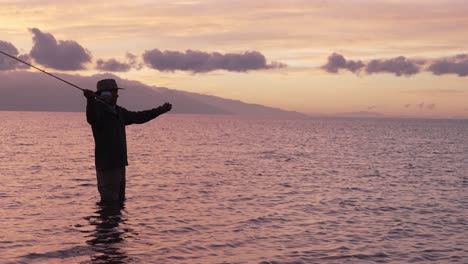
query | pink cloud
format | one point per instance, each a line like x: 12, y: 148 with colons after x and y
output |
x: 60, y: 55
x: 114, y: 65
x: 398, y: 66
x: 199, y: 61
x: 7, y: 63
x: 337, y: 62
x: 453, y: 65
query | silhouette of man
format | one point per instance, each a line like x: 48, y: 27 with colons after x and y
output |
x: 108, y: 121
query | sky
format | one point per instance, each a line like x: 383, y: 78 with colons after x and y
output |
x: 396, y: 57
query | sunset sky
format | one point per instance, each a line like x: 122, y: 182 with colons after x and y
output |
x: 397, y: 57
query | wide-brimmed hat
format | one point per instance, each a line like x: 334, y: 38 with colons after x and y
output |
x: 107, y: 85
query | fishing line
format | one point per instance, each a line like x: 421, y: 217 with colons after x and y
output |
x: 97, y: 97
x: 50, y: 74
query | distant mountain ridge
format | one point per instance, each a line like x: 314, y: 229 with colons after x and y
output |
x: 34, y: 91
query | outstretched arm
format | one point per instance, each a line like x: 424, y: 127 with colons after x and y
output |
x: 141, y: 117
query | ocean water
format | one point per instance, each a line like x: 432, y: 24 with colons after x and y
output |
x: 230, y: 189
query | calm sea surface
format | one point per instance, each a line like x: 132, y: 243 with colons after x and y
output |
x: 227, y: 189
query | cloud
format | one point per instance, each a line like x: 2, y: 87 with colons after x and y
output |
x: 7, y: 63
x: 337, y: 61
x: 453, y: 65
x: 398, y: 66
x: 199, y: 61
x: 132, y: 59
x: 61, y: 55
x: 114, y: 65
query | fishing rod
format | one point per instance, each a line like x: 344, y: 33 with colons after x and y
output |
x: 50, y: 74
x: 97, y: 97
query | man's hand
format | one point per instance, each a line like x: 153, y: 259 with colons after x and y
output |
x: 167, y: 107
x: 89, y: 94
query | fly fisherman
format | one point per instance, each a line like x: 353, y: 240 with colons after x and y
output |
x: 108, y: 121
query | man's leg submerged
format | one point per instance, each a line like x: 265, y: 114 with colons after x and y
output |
x: 110, y: 184
x: 122, y: 185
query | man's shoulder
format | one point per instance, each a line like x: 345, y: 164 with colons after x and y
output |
x: 120, y: 108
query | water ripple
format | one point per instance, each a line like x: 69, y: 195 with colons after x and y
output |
x: 205, y: 189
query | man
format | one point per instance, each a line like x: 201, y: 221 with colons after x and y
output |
x: 108, y: 121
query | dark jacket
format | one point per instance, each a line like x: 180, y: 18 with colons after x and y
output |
x: 108, y: 126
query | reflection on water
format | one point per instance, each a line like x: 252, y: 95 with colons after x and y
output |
x: 225, y: 189
x: 107, y: 238
x: 104, y: 240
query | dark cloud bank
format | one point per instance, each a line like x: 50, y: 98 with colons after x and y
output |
x: 456, y: 65
x: 59, y: 55
x: 68, y: 55
x: 336, y: 62
x: 399, y: 66
x: 6, y: 63
x: 114, y: 65
x: 199, y: 61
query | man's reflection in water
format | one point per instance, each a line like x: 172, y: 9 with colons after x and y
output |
x: 107, y: 238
